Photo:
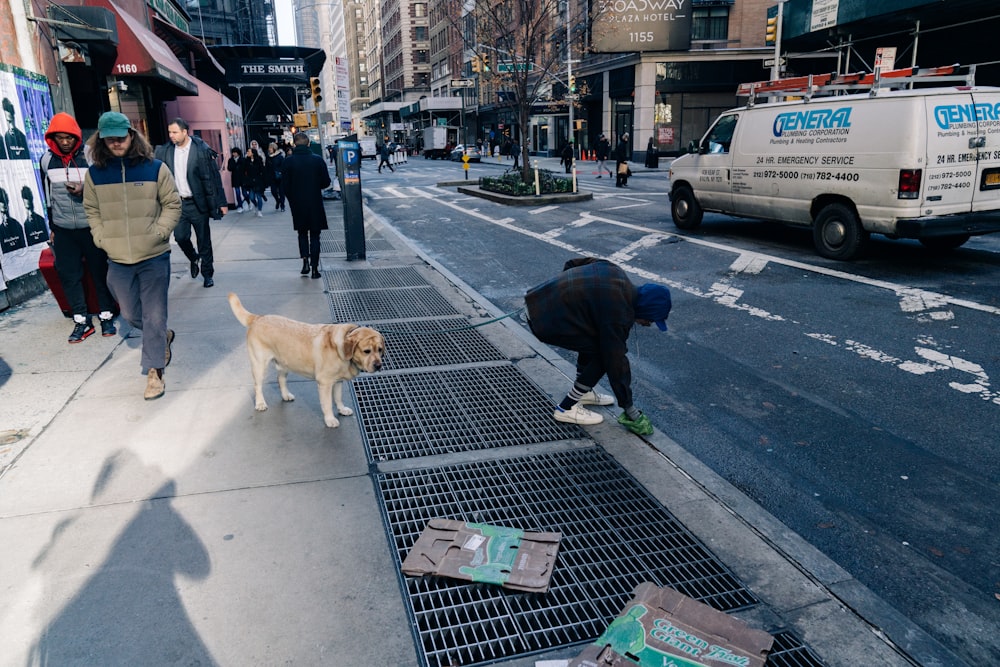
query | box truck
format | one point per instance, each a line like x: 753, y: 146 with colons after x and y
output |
x: 438, y: 141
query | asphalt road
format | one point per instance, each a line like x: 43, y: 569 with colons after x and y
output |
x: 857, y: 402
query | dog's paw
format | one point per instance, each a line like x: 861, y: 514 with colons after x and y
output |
x: 260, y: 406
x: 344, y: 410
x: 332, y: 422
x: 288, y: 396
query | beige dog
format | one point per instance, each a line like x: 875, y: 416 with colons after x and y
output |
x: 327, y: 353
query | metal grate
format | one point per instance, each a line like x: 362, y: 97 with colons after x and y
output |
x: 615, y: 536
x: 403, y: 276
x: 437, y: 412
x: 788, y: 651
x: 374, y: 305
x: 336, y: 246
x: 420, y: 343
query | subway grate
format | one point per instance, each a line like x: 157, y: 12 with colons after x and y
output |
x: 345, y: 279
x: 332, y: 246
x: 789, y: 651
x: 376, y: 305
x: 599, y: 508
x: 439, y: 342
x: 404, y: 415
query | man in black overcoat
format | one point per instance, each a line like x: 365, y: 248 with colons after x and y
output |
x: 304, y: 176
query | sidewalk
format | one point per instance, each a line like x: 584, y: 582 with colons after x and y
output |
x: 194, y: 530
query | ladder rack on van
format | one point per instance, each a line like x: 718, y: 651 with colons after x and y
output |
x: 835, y: 83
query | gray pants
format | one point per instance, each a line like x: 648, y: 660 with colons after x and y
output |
x: 141, y: 292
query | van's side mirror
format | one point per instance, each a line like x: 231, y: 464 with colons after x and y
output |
x: 692, y: 147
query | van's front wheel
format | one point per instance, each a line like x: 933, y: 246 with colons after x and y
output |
x: 838, y: 234
x: 684, y: 208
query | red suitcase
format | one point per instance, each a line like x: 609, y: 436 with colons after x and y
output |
x: 47, y: 265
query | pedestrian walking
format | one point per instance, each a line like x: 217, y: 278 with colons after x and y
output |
x: 235, y: 168
x: 331, y: 151
x: 590, y: 308
x: 567, y: 155
x: 304, y: 176
x: 515, y: 151
x: 601, y: 151
x: 254, y: 180
x: 652, y: 154
x: 622, y: 154
x: 384, y: 151
x: 132, y: 206
x: 63, y: 168
x: 199, y: 185
x: 275, y: 160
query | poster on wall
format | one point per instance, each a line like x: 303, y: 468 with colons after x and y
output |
x: 26, y: 109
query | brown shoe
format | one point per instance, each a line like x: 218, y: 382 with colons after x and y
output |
x: 154, y: 384
x: 170, y: 341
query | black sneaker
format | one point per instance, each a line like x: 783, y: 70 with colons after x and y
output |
x: 81, y: 331
x: 108, y: 327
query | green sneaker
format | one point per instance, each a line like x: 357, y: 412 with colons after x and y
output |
x: 640, y: 426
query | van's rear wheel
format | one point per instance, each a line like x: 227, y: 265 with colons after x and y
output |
x: 684, y: 208
x: 945, y: 242
x: 838, y: 234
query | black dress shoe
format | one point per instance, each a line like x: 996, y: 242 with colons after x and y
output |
x: 209, y: 282
x: 194, y: 268
x: 316, y: 273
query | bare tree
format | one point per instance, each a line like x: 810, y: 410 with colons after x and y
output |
x: 524, y: 43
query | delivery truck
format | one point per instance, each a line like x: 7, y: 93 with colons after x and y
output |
x: 919, y: 163
x: 438, y: 141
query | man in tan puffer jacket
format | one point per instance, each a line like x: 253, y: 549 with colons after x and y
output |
x: 132, y: 206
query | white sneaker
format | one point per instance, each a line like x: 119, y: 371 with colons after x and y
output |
x: 595, y: 398
x: 259, y: 214
x: 577, y: 415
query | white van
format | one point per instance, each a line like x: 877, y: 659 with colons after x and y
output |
x: 921, y: 164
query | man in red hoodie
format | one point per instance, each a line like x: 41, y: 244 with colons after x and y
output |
x: 64, y: 166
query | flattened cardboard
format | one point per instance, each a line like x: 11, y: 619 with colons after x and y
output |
x: 478, y: 552
x: 663, y: 628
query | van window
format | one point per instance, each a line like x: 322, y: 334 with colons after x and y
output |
x: 721, y: 135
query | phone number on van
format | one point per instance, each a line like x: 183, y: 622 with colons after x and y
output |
x: 818, y: 175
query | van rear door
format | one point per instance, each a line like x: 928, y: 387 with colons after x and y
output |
x: 986, y: 184
x: 950, y: 176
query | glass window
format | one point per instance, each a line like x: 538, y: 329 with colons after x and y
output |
x: 710, y: 23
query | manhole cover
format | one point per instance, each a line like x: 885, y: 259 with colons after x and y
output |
x: 440, y: 342
x: 404, y: 415
x: 615, y: 536
x: 374, y: 305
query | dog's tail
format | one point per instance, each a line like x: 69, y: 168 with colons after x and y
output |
x: 242, y: 314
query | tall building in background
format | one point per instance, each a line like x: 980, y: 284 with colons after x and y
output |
x: 217, y: 22
x: 354, y: 33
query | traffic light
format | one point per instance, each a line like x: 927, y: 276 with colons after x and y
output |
x: 315, y: 90
x: 771, y: 32
x: 572, y: 84
x: 477, y: 64
x: 486, y: 62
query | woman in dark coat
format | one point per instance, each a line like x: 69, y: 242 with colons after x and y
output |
x: 622, y: 154
x: 254, y: 179
x: 275, y: 162
x: 304, y: 176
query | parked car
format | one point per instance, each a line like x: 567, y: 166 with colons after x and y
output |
x: 458, y: 151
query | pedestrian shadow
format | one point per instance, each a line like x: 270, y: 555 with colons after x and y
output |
x: 129, y: 611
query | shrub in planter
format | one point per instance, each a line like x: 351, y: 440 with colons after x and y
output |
x: 511, y: 183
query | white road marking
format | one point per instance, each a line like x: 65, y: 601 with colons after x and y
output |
x: 543, y: 209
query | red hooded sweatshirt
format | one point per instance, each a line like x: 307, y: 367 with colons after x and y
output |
x: 63, y: 122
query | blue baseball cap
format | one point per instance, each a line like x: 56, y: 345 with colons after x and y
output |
x: 653, y: 304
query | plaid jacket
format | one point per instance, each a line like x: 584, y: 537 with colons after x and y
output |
x: 588, y: 308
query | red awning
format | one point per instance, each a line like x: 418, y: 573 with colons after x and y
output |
x: 142, y: 54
